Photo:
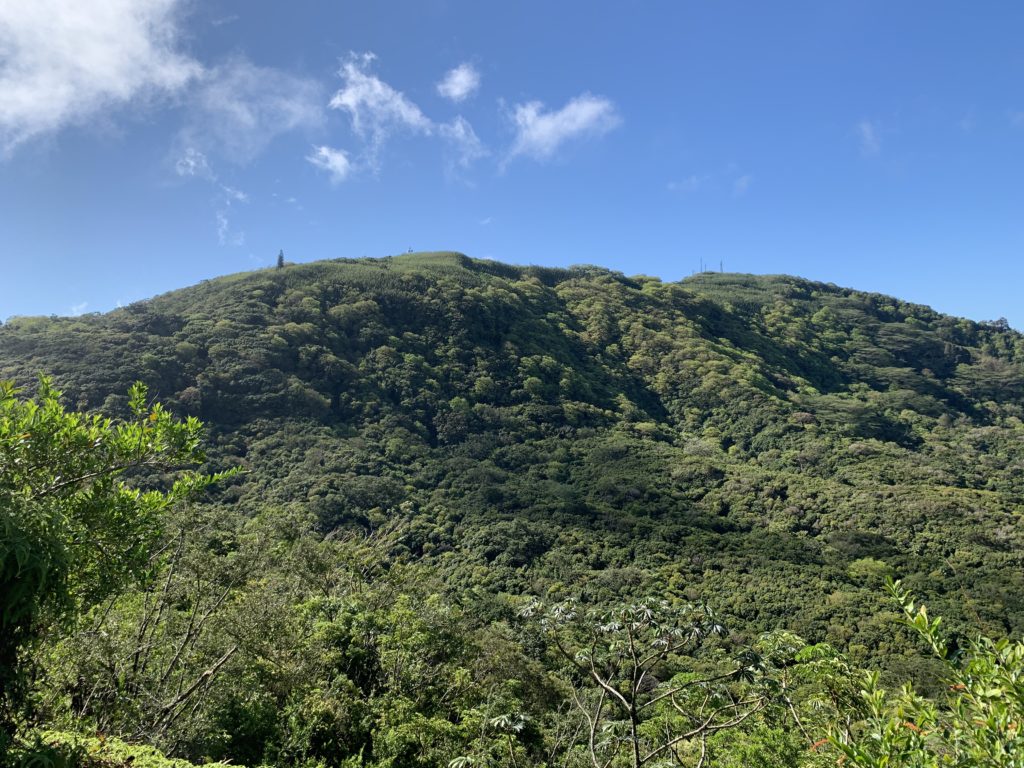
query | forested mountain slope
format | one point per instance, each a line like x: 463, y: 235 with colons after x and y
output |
x: 774, y: 445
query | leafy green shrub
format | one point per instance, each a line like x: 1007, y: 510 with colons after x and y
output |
x: 71, y: 529
x: 55, y: 749
x: 979, y: 721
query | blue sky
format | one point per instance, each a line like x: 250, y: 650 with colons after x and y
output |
x: 148, y: 144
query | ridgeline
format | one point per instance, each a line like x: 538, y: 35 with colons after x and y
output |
x: 773, y: 446
x: 770, y: 442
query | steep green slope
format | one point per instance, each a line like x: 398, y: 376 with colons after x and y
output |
x: 773, y: 444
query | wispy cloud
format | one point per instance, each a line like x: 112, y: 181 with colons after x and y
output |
x: 691, y: 183
x: 459, y: 83
x: 77, y: 309
x: 234, y: 112
x: 375, y: 108
x: 222, y: 20
x: 288, y: 199
x: 225, y: 234
x: 869, y: 138
x: 540, y: 133
x: 192, y: 162
x: 378, y: 112
x: 238, y: 108
x: 467, y: 145
x: 334, y: 161
x: 228, y: 197
x: 730, y: 179
x: 63, y: 62
x: 234, y: 195
x: 1017, y: 118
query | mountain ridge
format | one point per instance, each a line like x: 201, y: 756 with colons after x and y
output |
x: 775, y: 442
x: 457, y: 259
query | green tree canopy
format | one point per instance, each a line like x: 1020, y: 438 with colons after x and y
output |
x: 73, y: 525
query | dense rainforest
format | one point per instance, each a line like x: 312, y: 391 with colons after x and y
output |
x: 467, y: 513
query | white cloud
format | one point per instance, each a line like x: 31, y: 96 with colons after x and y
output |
x: 63, y: 62
x: 78, y: 309
x: 192, y: 162
x: 539, y: 134
x: 239, y: 108
x: 870, y: 141
x: 376, y: 109
x: 227, y: 236
x: 334, y: 161
x: 741, y: 186
x: 234, y: 195
x: 460, y: 134
x: 1017, y: 119
x: 729, y: 179
x: 291, y: 199
x: 228, y: 197
x: 459, y: 83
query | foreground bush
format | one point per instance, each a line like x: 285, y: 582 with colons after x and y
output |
x: 54, y: 749
x: 978, y: 722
